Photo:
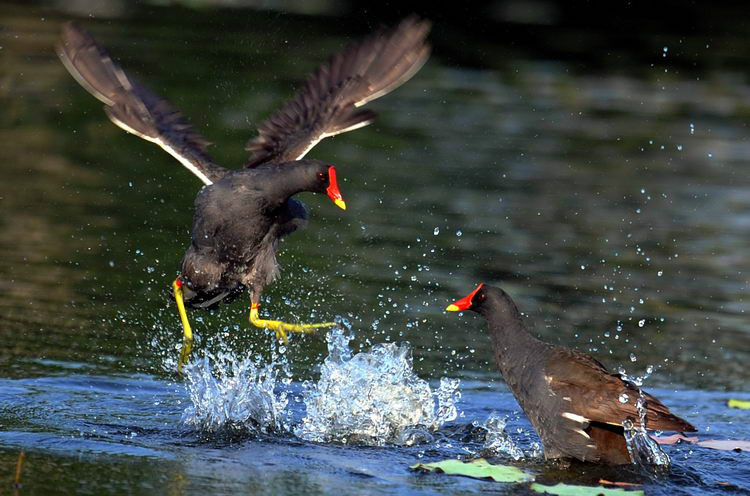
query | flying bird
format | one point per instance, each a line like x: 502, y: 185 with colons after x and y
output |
x: 240, y: 214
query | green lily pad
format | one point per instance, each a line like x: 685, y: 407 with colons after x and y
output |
x: 568, y: 490
x: 742, y: 405
x: 478, y: 469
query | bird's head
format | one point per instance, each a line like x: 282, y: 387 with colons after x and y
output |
x: 284, y: 180
x: 491, y: 302
x: 317, y: 177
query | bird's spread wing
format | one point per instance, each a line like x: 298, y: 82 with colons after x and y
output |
x: 131, y: 105
x: 599, y: 396
x: 330, y: 101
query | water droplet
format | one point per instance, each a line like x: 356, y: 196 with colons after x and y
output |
x: 436, y: 231
x: 459, y: 233
x: 641, y: 323
x: 624, y: 398
x: 632, y: 357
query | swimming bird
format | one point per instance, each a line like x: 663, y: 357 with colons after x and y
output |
x: 241, y: 214
x: 573, y: 402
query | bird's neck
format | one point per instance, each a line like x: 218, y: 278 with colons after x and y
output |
x: 283, y: 182
x: 514, y: 348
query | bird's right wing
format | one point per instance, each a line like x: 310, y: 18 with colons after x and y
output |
x: 132, y: 106
x: 329, y: 102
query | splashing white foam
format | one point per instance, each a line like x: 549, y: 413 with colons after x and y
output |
x: 498, y: 442
x: 374, y: 398
x: 231, y: 394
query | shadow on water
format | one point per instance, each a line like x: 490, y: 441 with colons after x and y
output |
x: 608, y: 194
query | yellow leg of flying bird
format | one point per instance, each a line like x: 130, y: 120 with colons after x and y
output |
x: 281, y: 328
x: 187, y: 340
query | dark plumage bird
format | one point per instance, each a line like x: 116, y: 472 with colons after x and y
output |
x: 571, y: 399
x: 241, y: 214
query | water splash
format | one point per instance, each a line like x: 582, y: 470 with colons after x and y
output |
x: 499, y: 442
x: 374, y: 398
x: 644, y: 451
x: 233, y: 395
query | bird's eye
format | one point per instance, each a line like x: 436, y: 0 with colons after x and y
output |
x: 321, y: 176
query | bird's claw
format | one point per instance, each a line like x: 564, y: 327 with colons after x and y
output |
x: 282, y: 328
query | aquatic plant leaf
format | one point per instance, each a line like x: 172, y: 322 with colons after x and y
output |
x: 725, y: 444
x: 718, y: 444
x: 674, y: 439
x: 569, y: 490
x: 477, y: 469
x: 621, y: 484
x: 742, y: 405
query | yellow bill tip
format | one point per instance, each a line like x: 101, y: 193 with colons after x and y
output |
x: 341, y: 204
x: 452, y: 308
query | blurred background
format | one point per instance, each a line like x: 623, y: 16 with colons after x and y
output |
x: 589, y: 157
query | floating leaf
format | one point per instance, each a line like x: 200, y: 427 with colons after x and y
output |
x: 622, y: 484
x: 478, y: 469
x: 718, y: 444
x: 674, y: 439
x: 742, y: 405
x: 568, y: 490
x: 725, y: 444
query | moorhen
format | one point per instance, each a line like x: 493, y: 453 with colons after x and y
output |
x: 575, y: 405
x: 241, y: 214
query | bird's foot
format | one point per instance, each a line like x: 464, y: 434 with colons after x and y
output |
x: 187, y: 341
x: 282, y: 328
x: 187, y: 348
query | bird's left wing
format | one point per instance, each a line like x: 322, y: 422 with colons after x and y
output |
x: 132, y: 106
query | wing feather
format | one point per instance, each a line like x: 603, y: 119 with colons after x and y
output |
x: 598, y: 392
x: 328, y: 103
x: 131, y: 105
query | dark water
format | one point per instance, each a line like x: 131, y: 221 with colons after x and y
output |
x: 611, y: 199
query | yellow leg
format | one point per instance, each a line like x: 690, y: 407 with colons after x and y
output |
x: 187, y: 340
x: 281, y: 328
